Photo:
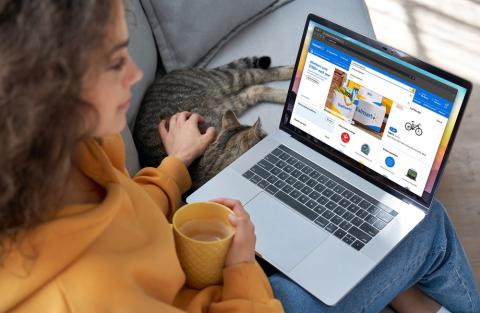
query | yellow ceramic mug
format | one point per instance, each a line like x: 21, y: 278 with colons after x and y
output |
x: 203, y: 235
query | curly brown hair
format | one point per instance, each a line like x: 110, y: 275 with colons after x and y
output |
x: 46, y: 48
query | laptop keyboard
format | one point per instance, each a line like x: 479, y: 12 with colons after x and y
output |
x: 328, y: 201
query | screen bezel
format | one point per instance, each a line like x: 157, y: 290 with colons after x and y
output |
x: 400, y: 192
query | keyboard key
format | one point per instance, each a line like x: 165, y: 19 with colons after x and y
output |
x: 281, y: 164
x: 248, y: 174
x: 290, y: 180
x: 311, y: 204
x: 272, y: 159
x: 321, y: 221
x: 344, y: 203
x: 338, y: 189
x: 295, y: 193
x: 277, y: 151
x: 320, y: 209
x: 304, y: 178
x: 272, y: 189
x: 331, y: 228
x: 307, y: 170
x: 348, y: 239
x: 266, y: 165
x: 322, y: 200
x: 336, y: 197
x: 339, y: 233
x: 360, y: 235
x: 361, y: 213
x: 347, y: 194
x: 348, y: 216
x: 327, y: 193
x: 379, y: 224
x: 282, y: 175
x: 370, y: 219
x: 372, y: 210
x: 353, y: 208
x: 263, y: 184
x: 314, y: 174
x: 364, y: 204
x: 314, y: 195
x: 345, y: 225
x: 292, y: 160
x: 311, y: 182
x: 280, y: 184
x: 331, y: 205
x: 284, y: 156
x: 319, y: 187
x: 306, y: 190
x: 272, y: 179
x: 330, y: 184
x: 323, y: 179
x: 300, y: 208
x: 384, y: 216
x: 298, y: 185
x: 356, y: 199
x: 303, y: 199
x: 356, y: 221
x: 288, y: 168
x: 372, y: 231
x: 287, y: 189
x: 260, y: 171
x: 339, y: 210
x: 298, y: 165
x: 357, y: 245
x: 328, y: 215
x: 296, y: 173
x: 275, y: 170
x: 336, y: 220
x: 255, y: 179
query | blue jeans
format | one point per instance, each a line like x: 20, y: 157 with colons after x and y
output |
x: 430, y: 257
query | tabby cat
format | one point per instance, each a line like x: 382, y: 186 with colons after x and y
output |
x: 218, y: 95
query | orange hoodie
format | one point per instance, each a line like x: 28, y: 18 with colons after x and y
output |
x: 119, y: 255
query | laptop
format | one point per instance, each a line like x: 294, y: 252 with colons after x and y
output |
x: 363, y: 139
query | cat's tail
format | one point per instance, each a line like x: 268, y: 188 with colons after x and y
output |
x: 262, y: 62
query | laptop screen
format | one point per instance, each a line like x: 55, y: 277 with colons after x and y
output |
x: 393, y: 118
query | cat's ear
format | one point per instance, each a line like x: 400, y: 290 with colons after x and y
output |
x: 229, y: 120
x: 256, y: 130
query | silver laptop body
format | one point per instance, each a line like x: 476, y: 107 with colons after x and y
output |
x: 362, y: 120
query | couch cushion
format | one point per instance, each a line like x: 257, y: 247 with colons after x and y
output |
x: 189, y: 31
x: 278, y: 35
x: 144, y: 53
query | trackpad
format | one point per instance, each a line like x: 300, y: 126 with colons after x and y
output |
x: 284, y: 237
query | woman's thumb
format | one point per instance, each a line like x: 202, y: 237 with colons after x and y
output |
x: 210, y: 135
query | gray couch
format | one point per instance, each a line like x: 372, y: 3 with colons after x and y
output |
x: 277, y: 35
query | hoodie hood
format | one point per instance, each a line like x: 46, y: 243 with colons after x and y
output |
x: 51, y: 247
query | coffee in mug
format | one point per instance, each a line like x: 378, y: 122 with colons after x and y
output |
x: 205, y: 229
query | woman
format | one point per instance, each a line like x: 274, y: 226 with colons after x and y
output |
x: 79, y: 235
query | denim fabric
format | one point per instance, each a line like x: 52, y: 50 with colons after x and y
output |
x: 430, y: 257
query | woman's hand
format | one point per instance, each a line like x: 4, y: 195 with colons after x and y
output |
x: 242, y: 249
x: 183, y: 139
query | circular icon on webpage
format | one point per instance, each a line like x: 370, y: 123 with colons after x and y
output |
x: 365, y: 149
x: 345, y: 137
x: 390, y: 162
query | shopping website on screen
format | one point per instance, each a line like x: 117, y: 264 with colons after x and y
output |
x: 370, y: 114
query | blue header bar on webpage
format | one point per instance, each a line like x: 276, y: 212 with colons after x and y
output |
x: 422, y: 97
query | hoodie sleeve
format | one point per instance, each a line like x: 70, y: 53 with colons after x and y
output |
x: 246, y: 289
x: 166, y: 183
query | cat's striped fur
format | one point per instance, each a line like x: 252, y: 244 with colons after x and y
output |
x: 231, y: 88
